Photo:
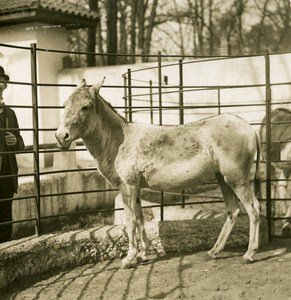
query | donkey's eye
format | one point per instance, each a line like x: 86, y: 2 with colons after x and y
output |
x: 86, y: 108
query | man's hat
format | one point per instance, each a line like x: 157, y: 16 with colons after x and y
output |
x: 2, y: 74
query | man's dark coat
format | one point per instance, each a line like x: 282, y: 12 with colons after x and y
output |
x: 12, y: 124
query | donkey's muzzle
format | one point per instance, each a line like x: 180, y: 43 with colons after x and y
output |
x: 63, y: 138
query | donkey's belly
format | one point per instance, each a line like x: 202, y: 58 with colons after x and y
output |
x: 179, y: 175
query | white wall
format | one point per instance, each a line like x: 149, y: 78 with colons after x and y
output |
x: 220, y: 72
x: 17, y: 64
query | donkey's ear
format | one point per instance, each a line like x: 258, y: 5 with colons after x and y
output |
x: 94, y: 90
x: 82, y: 83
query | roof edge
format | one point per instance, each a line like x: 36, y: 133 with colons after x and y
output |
x: 49, y: 17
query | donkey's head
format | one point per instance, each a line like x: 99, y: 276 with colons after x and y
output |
x: 79, y: 118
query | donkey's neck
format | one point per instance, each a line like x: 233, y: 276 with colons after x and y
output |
x: 103, y: 142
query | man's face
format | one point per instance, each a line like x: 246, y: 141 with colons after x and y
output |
x: 3, y: 84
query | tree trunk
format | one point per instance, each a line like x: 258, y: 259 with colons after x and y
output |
x: 111, y: 31
x: 91, y: 37
x: 123, y: 32
x: 150, y: 28
x: 177, y: 13
x: 132, y: 29
x: 285, y: 16
x: 141, y: 20
x: 101, y: 59
x: 210, y: 27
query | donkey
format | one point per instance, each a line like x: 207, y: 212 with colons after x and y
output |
x: 281, y: 170
x: 132, y: 156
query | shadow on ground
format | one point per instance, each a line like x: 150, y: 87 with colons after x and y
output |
x: 183, y: 276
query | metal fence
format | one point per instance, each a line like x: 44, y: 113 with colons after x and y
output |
x: 160, y: 89
x: 147, y: 97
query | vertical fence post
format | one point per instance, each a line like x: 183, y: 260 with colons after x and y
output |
x: 162, y: 205
x: 181, y: 95
x: 218, y: 101
x: 129, y: 95
x: 160, y: 87
x: 268, y: 143
x: 35, y: 133
x: 151, y: 102
x: 181, y: 110
x: 182, y: 199
x: 125, y: 96
x: 160, y: 117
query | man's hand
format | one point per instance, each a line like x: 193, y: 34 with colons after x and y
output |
x: 10, y: 139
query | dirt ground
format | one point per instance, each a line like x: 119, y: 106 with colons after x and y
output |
x: 187, y: 276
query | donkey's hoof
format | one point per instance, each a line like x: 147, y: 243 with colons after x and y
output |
x: 142, y: 259
x: 209, y: 256
x: 286, y: 231
x: 246, y: 261
x: 126, y: 264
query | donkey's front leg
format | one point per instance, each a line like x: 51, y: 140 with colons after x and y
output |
x: 134, y: 221
x: 144, y: 242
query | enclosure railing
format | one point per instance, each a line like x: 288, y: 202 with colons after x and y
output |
x: 181, y: 88
x: 156, y: 90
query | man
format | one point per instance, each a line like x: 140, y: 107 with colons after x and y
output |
x: 10, y: 140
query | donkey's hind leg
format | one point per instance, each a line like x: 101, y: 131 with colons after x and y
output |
x: 285, y: 206
x: 233, y: 210
x: 252, y: 206
x: 286, y: 229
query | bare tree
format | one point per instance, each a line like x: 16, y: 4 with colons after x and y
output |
x: 180, y: 26
x: 141, y: 8
x: 143, y: 14
x: 211, y: 38
x: 133, y: 4
x: 100, y: 41
x: 150, y: 28
x: 91, y: 36
x: 239, y: 11
x: 196, y: 9
x: 122, y: 8
x: 263, y: 15
x: 112, y: 10
x: 131, y: 27
x: 281, y: 21
x: 203, y: 17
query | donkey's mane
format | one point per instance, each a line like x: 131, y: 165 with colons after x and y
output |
x: 112, y: 108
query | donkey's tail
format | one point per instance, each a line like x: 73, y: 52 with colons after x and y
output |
x: 257, y: 179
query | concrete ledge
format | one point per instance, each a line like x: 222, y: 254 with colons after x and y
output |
x: 36, y: 255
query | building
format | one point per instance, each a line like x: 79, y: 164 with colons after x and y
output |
x: 45, y: 23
